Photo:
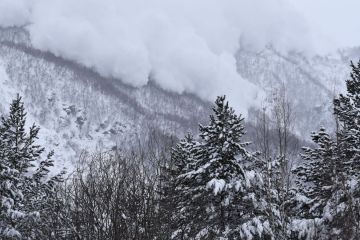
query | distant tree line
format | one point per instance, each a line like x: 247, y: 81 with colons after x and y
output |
x: 206, y: 186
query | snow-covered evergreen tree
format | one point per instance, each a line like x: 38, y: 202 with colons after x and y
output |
x: 273, y: 193
x: 327, y: 194
x: 215, y: 195
x: 25, y: 187
x: 169, y: 192
x: 347, y: 111
x: 317, y: 184
x: 10, y: 194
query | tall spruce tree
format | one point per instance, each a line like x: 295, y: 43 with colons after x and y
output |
x: 328, y: 180
x: 318, y: 182
x: 25, y: 187
x: 272, y: 192
x: 347, y: 112
x: 170, y: 193
x: 215, y: 197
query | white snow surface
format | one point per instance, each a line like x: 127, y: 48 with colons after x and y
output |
x: 217, y: 185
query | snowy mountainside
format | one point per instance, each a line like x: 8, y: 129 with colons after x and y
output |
x: 310, y: 83
x: 78, y: 110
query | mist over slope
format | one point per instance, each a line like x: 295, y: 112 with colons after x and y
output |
x: 104, y: 74
x: 79, y: 110
x: 309, y: 83
x: 114, y: 85
x: 182, y: 45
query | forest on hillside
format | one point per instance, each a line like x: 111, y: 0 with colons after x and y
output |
x: 209, y: 185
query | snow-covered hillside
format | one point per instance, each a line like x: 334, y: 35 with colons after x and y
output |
x: 310, y: 83
x: 79, y: 110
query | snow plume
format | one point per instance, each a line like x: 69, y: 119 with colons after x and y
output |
x: 182, y: 45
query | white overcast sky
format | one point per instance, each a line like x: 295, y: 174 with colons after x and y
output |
x: 335, y: 22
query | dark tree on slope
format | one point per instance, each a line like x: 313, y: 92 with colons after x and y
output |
x: 25, y: 186
x: 214, y: 195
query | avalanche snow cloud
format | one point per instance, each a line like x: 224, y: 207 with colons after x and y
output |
x: 182, y: 45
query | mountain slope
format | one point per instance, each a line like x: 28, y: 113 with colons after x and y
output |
x: 78, y: 109
x: 310, y: 82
